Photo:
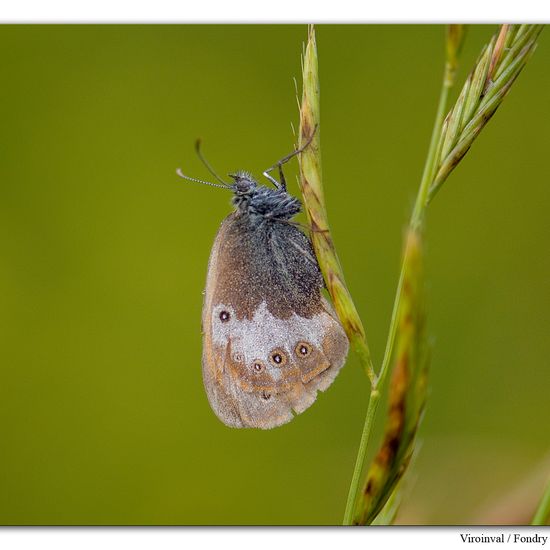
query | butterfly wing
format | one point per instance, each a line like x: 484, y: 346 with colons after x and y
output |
x: 270, y: 339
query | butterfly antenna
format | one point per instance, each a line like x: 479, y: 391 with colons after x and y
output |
x: 182, y: 175
x: 205, y: 162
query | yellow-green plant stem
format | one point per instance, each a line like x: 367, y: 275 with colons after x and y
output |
x: 542, y: 515
x: 415, y: 223
x: 359, y: 461
x: 314, y: 202
x: 419, y: 210
x: 429, y: 168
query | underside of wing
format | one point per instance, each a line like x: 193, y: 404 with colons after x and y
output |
x: 264, y: 357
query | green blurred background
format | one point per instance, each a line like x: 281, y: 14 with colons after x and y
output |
x: 103, y: 255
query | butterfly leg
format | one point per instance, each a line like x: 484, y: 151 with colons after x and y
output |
x: 284, y: 160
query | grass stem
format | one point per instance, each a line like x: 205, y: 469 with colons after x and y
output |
x: 314, y: 202
x: 542, y: 514
x: 415, y: 223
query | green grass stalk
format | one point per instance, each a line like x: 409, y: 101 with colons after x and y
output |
x: 542, y: 514
x: 314, y: 202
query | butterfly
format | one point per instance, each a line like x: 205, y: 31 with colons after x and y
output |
x: 271, y: 340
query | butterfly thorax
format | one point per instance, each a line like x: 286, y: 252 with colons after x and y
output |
x: 259, y: 201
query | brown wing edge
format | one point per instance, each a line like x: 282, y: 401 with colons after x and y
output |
x: 222, y: 403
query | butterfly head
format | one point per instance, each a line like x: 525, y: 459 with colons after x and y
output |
x: 243, y: 183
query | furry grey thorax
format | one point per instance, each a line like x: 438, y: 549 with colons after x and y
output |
x: 262, y: 203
